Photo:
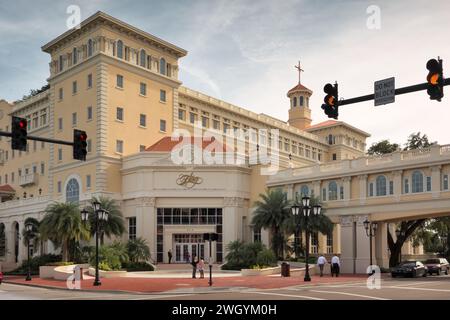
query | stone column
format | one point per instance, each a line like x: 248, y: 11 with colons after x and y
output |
x: 9, y: 234
x: 362, y: 188
x: 316, y: 188
x: 347, y: 244
x: 337, y: 238
x: 381, y: 245
x: 290, y: 192
x: 347, y: 191
x: 146, y: 224
x: 436, y: 181
x: 232, y: 221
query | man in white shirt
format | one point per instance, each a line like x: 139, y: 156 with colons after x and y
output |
x: 321, y: 261
x: 335, y: 266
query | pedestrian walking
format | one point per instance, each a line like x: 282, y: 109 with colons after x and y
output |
x: 321, y: 261
x: 335, y: 266
x: 169, y: 254
x: 194, y: 266
x: 201, y: 268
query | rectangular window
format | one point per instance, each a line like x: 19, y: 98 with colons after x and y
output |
x: 89, y: 113
x: 341, y: 192
x: 428, y: 184
x: 162, y: 95
x: 445, y: 182
x: 119, y: 114
x: 59, y: 154
x: 74, y: 119
x: 60, y: 123
x: 391, y: 187
x: 59, y: 186
x: 324, y: 194
x: 61, y: 93
x: 34, y: 169
x: 74, y: 87
x: 192, y: 117
x: 205, y: 122
x: 42, y: 168
x: 143, y: 89
x: 141, y: 148
x: 162, y: 125
x: 406, y: 186
x: 132, y: 228
x: 181, y: 114
x: 119, y: 146
x: 143, y: 120
x: 89, y: 145
x: 119, y: 81
x: 371, y: 189
x: 256, y: 234
x: 88, y: 181
x: 216, y: 124
x: 334, y: 156
x: 89, y: 81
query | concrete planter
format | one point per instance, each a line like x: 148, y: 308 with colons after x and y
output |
x: 108, y: 274
x: 46, y: 272
x: 59, y: 272
x: 261, y: 272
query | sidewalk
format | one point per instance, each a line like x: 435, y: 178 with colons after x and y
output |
x: 152, y: 285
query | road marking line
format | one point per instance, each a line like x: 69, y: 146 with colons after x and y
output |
x: 350, y: 294
x: 162, y: 297
x: 423, y: 289
x: 285, y: 295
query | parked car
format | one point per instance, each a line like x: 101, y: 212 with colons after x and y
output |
x: 1, y: 277
x: 437, y: 265
x: 410, y: 268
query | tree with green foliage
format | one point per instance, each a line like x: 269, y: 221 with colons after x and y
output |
x: 138, y: 250
x: 418, y: 141
x: 382, y: 147
x: 62, y: 224
x: 271, y: 213
x: 115, y: 226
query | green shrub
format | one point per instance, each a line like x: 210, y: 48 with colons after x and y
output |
x: 104, y: 266
x: 35, y: 263
x: 59, y: 264
x: 245, y: 255
x: 137, y: 266
x: 110, y: 257
x: 266, y: 257
x: 138, y: 250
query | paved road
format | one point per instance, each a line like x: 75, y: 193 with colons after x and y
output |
x: 430, y: 288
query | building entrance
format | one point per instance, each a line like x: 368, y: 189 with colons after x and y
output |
x: 187, y: 246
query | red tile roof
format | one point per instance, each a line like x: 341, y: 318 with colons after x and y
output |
x: 299, y: 87
x: 166, y: 144
x: 7, y: 189
x: 323, y: 124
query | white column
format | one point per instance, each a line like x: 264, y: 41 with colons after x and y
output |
x: 362, y: 188
x: 347, y: 191
x: 290, y: 192
x: 232, y: 221
x: 397, y: 184
x: 381, y: 245
x: 316, y: 188
x: 347, y: 244
x: 146, y: 224
x: 436, y: 181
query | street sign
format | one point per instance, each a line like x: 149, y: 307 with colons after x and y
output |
x: 384, y: 91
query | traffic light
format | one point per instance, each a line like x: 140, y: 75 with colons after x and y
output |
x: 79, y: 145
x: 435, y: 79
x: 331, y: 105
x: 19, y: 134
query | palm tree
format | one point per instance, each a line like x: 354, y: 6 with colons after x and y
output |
x: 33, y: 235
x: 62, y: 224
x: 271, y: 212
x: 138, y: 250
x: 115, y: 225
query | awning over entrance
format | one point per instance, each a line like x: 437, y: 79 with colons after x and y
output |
x: 6, y: 191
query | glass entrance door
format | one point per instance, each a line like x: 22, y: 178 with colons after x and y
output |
x: 185, y: 251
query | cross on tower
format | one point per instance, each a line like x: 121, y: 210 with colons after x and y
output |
x: 300, y: 70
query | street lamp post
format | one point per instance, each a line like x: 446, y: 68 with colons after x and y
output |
x: 29, y: 229
x: 371, y: 228
x: 100, y: 216
x: 306, y: 211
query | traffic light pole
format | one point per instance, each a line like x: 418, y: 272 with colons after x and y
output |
x: 67, y: 143
x: 409, y: 89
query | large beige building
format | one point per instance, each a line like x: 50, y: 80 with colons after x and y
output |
x: 120, y: 84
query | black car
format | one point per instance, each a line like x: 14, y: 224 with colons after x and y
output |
x: 437, y: 265
x: 410, y: 269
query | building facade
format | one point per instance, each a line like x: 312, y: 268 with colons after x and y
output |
x: 120, y: 84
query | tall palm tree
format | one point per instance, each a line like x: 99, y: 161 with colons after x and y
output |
x: 33, y: 235
x: 62, y: 224
x: 271, y: 212
x: 115, y: 225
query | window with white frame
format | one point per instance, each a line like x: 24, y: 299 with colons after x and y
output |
x: 332, y: 190
x: 428, y: 184
x: 119, y: 81
x: 119, y: 146
x: 73, y: 191
x: 417, y: 182
x: 119, y: 113
x: 381, y: 186
x: 132, y: 228
x: 445, y: 182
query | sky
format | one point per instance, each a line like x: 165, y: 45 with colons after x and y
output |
x: 244, y: 52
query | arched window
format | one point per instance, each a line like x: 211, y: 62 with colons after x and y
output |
x: 304, y: 191
x: 294, y: 102
x: 2, y: 240
x: 90, y: 48
x: 381, y: 186
x: 162, y: 66
x: 119, y: 49
x: 417, y: 182
x: 75, y: 56
x: 301, y: 101
x: 143, y: 58
x: 332, y: 190
x: 73, y: 191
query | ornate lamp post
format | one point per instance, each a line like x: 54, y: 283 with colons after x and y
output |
x: 371, y: 228
x: 30, y: 235
x: 100, y: 216
x: 306, y: 211
x: 295, y: 212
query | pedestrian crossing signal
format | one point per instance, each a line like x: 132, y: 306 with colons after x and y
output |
x: 331, y: 103
x: 435, y: 79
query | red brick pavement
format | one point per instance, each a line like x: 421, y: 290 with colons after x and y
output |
x: 157, y: 285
